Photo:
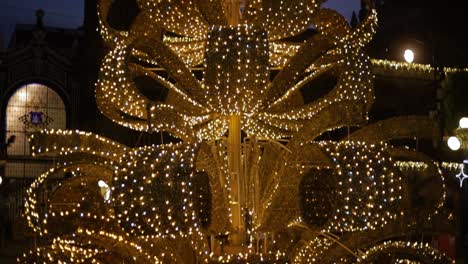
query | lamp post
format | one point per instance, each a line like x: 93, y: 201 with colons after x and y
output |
x: 456, y: 143
x: 460, y: 139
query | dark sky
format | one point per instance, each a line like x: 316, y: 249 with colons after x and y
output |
x: 59, y: 13
x: 345, y: 7
x: 69, y: 13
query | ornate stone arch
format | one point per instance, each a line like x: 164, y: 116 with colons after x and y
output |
x: 28, y: 106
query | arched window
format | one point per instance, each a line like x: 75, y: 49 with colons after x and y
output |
x: 31, y: 108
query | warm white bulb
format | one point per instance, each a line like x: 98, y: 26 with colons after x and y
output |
x: 409, y: 55
x: 454, y: 143
x: 105, y: 190
x: 1, y: 180
x: 102, y: 184
x: 463, y: 122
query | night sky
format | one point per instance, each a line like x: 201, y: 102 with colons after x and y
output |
x: 69, y: 13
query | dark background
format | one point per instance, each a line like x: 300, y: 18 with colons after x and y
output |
x: 70, y: 13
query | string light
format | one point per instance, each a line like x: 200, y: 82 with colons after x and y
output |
x: 161, y: 200
x: 418, y: 251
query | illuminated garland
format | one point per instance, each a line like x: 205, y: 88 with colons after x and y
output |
x: 422, y: 165
x: 414, y: 250
x: 152, y: 191
x: 417, y: 67
x: 312, y: 250
x: 243, y: 88
x: 368, y: 190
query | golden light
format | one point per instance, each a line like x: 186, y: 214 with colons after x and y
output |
x: 105, y: 190
x: 102, y: 184
x: 463, y: 122
x: 454, y: 143
x: 409, y: 56
x: 155, y: 195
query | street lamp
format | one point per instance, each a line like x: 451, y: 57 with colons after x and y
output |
x: 454, y: 143
x: 463, y: 122
x: 460, y: 140
x: 461, y: 134
x: 409, y: 56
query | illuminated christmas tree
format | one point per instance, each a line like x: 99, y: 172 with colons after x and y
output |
x: 250, y: 180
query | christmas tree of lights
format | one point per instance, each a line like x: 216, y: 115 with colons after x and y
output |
x: 250, y: 180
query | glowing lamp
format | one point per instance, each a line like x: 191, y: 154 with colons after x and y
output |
x: 409, y: 56
x: 102, y: 184
x: 454, y: 143
x: 105, y: 190
x: 463, y: 122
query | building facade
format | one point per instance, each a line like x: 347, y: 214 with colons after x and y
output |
x: 38, y: 90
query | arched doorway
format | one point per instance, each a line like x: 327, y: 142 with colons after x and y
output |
x: 32, y: 107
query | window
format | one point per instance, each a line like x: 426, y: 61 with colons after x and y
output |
x: 31, y: 108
